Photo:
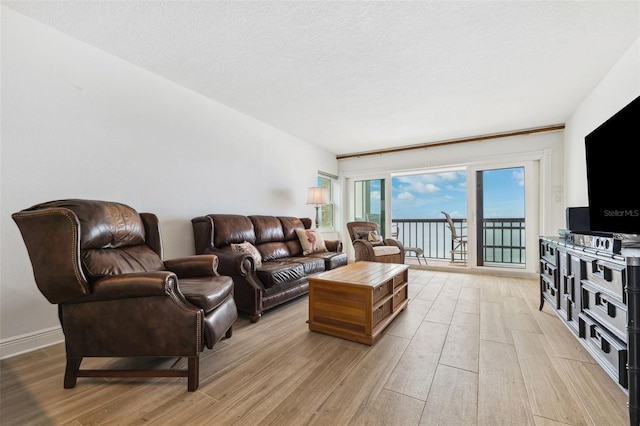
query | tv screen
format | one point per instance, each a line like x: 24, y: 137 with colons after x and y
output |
x: 613, y: 173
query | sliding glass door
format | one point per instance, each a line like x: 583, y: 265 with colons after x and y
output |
x: 473, y: 216
x: 500, y: 216
x: 503, y: 215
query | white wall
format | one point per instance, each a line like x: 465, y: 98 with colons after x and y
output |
x: 619, y: 87
x: 80, y: 123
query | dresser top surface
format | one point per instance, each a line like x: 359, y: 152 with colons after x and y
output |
x: 630, y: 254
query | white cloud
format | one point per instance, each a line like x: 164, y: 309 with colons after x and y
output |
x: 518, y: 176
x: 405, y: 195
x: 450, y: 176
x: 425, y: 188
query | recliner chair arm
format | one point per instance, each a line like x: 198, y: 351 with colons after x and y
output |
x: 126, y: 286
x: 194, y: 266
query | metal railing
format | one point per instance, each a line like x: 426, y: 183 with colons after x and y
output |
x: 503, y: 239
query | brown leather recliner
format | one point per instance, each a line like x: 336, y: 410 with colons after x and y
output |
x: 101, y: 263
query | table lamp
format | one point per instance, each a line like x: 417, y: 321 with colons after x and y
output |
x: 318, y: 196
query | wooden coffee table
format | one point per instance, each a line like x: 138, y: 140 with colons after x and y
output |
x: 357, y: 301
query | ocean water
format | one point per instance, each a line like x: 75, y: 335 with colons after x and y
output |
x: 504, y: 241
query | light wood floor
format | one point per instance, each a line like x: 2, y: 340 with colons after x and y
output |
x: 468, y: 350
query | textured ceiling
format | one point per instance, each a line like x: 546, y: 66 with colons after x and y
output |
x: 362, y: 76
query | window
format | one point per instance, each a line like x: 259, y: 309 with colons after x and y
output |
x: 325, y: 213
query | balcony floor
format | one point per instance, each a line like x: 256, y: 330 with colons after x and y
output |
x: 434, y: 264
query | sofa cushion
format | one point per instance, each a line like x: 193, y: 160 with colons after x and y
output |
x: 289, y: 226
x: 311, y: 241
x: 332, y: 259
x: 247, y: 247
x: 267, y: 229
x: 311, y: 265
x: 277, y: 272
x: 232, y: 229
x: 385, y: 250
x: 294, y: 247
x: 273, y: 251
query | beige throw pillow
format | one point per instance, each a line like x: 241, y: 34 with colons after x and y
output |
x: 247, y: 247
x: 311, y: 241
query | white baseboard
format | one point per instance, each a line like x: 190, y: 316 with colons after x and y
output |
x: 30, y: 342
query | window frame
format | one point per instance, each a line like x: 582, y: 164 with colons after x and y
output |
x: 325, y: 180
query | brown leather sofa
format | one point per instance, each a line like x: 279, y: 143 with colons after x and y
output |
x: 283, y: 274
x: 101, y: 263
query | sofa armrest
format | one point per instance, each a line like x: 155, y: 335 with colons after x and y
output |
x: 193, y: 266
x: 233, y: 263
x: 334, y: 245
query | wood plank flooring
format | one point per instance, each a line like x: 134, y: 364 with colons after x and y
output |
x: 468, y: 350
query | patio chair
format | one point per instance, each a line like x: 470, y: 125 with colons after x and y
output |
x: 419, y: 252
x: 458, y: 242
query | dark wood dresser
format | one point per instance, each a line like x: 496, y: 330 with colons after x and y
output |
x: 597, y: 295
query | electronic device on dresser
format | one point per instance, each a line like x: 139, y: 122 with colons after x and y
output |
x: 580, y: 233
x: 612, y: 173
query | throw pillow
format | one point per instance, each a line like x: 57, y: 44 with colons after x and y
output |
x: 311, y: 241
x: 372, y: 236
x: 247, y: 247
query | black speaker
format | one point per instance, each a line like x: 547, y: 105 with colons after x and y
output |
x: 578, y: 219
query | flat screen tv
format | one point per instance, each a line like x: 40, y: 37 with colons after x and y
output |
x: 613, y: 174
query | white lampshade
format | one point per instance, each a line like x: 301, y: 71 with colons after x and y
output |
x: 318, y: 196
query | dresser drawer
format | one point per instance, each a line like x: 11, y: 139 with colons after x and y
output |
x: 610, y: 276
x: 573, y: 310
x: 548, y: 252
x: 606, y: 308
x: 608, y: 350
x: 549, y: 283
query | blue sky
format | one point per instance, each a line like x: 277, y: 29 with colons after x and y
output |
x: 426, y: 195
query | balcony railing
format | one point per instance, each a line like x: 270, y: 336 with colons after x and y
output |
x: 503, y: 239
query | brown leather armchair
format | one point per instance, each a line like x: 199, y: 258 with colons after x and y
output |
x: 370, y: 246
x: 101, y: 263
